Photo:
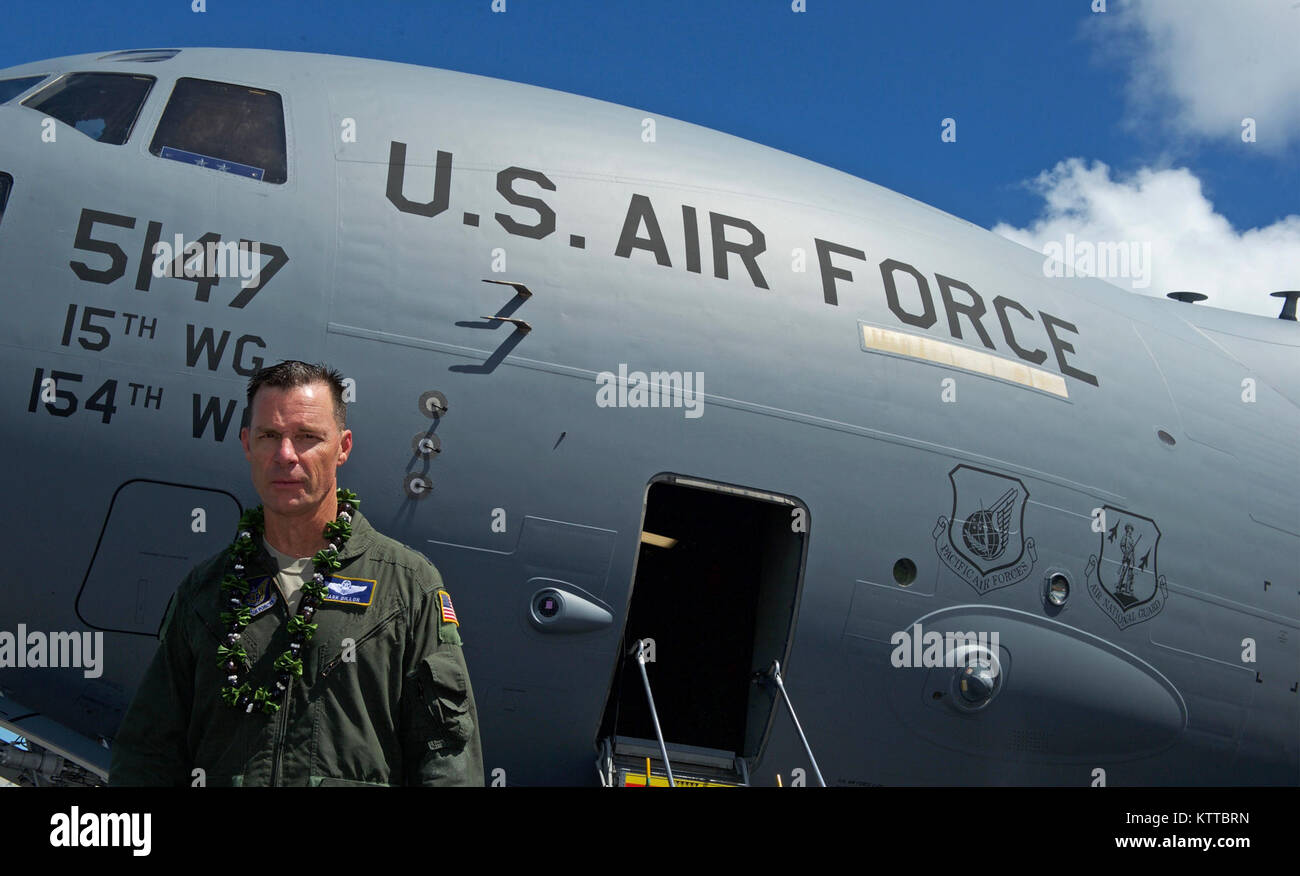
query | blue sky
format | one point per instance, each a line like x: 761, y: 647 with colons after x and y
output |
x: 1147, y: 97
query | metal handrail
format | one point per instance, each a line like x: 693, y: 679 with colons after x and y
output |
x: 639, y: 652
x: 775, y: 674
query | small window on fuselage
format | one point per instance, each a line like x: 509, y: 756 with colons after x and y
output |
x: 103, y: 106
x: 224, y: 127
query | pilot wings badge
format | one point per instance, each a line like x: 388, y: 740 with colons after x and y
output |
x: 1122, y: 577
x: 983, y: 540
x: 356, y: 591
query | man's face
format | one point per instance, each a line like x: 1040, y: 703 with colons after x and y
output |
x: 294, y: 446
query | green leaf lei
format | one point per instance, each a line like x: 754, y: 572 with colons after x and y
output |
x: 231, y: 656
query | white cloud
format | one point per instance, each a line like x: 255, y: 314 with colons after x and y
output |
x: 1191, y: 246
x: 1204, y: 65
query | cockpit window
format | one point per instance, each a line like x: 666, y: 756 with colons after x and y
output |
x: 230, y: 128
x: 11, y: 88
x: 103, y: 106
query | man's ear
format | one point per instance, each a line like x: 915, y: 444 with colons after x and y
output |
x: 243, y: 440
x: 345, y: 447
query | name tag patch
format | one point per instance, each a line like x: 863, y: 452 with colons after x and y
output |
x: 261, y: 595
x: 354, y: 591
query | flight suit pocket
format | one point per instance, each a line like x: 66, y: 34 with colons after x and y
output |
x: 443, y: 687
x: 350, y: 651
x: 331, y: 782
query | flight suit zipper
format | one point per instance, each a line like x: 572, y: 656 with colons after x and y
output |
x: 282, y: 714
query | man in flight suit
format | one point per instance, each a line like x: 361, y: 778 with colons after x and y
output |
x: 314, y: 650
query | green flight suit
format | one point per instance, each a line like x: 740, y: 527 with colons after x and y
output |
x: 399, y: 712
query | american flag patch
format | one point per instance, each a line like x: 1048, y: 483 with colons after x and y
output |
x: 448, y: 613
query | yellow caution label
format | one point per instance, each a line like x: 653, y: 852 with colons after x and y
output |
x: 637, y: 780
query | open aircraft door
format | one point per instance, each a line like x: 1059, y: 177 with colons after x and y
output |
x: 714, y: 601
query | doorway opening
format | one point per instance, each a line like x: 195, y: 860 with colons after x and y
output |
x: 716, y: 588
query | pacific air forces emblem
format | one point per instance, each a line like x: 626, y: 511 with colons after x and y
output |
x: 261, y: 595
x: 1122, y: 577
x: 983, y: 541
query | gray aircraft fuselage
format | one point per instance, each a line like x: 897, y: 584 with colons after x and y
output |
x: 946, y: 427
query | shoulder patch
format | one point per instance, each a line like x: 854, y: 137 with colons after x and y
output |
x: 261, y: 595
x: 448, y: 623
x: 445, y: 609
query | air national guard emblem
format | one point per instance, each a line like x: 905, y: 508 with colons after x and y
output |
x: 1122, y: 577
x: 983, y: 541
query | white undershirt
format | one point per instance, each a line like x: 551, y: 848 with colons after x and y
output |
x: 294, y: 572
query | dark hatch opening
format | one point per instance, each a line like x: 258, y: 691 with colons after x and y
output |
x: 719, y: 604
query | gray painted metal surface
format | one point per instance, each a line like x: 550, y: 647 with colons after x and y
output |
x: 857, y: 351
